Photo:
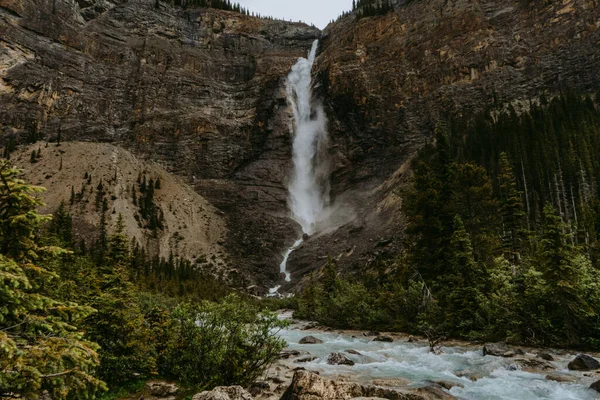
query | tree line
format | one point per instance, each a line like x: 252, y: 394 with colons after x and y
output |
x: 501, y: 239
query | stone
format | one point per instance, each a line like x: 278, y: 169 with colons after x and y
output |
x: 383, y: 338
x: 471, y: 375
x: 310, y: 340
x: 583, y: 362
x: 534, y: 364
x: 372, y: 333
x: 546, y: 356
x: 285, y: 354
x: 161, y: 389
x: 395, y: 382
x: 308, y: 386
x: 595, y: 386
x: 411, y: 339
x: 351, y: 351
x: 495, y: 349
x: 447, y: 384
x: 224, y: 393
x: 561, y: 378
x: 259, y: 387
x: 339, y: 359
x: 305, y: 359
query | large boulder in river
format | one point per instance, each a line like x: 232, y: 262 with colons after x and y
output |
x: 339, y: 359
x: 309, y: 386
x: 495, y: 349
x: 383, y: 338
x: 583, y: 362
x: 310, y: 340
x: 224, y: 393
x: 595, y: 386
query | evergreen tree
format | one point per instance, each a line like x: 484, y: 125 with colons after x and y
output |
x: 39, y: 346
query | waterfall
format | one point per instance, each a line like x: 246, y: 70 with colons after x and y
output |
x: 309, y: 187
x: 309, y: 184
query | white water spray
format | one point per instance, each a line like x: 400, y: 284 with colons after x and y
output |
x: 309, y: 187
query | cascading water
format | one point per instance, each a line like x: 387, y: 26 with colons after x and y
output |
x: 309, y: 186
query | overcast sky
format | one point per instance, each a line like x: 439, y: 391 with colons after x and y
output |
x: 318, y: 12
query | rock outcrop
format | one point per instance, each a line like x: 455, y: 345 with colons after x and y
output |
x: 224, y: 393
x: 310, y: 340
x: 308, y: 386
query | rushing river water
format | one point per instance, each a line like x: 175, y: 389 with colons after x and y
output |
x: 499, y: 378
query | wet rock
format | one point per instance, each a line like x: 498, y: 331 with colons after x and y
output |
x: 546, y: 356
x: 411, y: 339
x: 305, y: 359
x: 446, y: 384
x: 372, y: 333
x: 495, y: 349
x: 396, y: 382
x: 350, y: 351
x: 383, y: 338
x: 534, y: 364
x: 583, y: 362
x: 561, y: 378
x: 285, y: 354
x: 224, y: 393
x: 161, y: 389
x: 339, y: 359
x: 595, y: 386
x: 471, y: 375
x: 310, y: 340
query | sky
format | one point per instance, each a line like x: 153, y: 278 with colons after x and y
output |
x: 318, y: 12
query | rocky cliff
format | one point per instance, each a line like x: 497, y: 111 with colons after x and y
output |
x: 202, y: 92
x: 388, y: 81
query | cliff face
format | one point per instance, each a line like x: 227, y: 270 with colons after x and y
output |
x: 199, y: 91
x: 202, y: 92
x: 389, y: 80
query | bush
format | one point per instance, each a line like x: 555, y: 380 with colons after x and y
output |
x: 213, y: 344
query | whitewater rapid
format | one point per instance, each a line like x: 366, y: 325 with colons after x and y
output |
x: 499, y: 378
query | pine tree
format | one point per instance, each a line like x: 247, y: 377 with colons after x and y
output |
x: 513, y: 214
x: 39, y: 346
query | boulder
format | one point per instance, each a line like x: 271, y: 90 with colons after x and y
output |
x: 383, y: 338
x: 495, y: 349
x: 534, y: 364
x: 546, y: 356
x: 310, y: 340
x: 305, y: 359
x: 308, y: 386
x: 583, y: 362
x: 356, y: 353
x: 285, y: 354
x: 595, y: 386
x: 446, y: 384
x: 561, y: 378
x: 161, y: 389
x: 339, y: 359
x: 259, y: 387
x: 224, y: 393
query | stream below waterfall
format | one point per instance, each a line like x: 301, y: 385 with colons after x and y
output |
x: 498, y: 378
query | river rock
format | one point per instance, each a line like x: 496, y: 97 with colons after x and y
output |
x: 285, y: 354
x: 310, y: 340
x: 546, y: 356
x: 446, y: 384
x: 561, y: 378
x: 372, y: 333
x: 471, y: 375
x: 495, y: 349
x: 356, y: 353
x: 305, y: 359
x: 161, y: 389
x: 383, y: 338
x: 308, y: 386
x: 224, y: 393
x: 259, y: 387
x: 395, y: 382
x: 534, y: 364
x: 595, y: 386
x: 339, y: 359
x: 583, y: 362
